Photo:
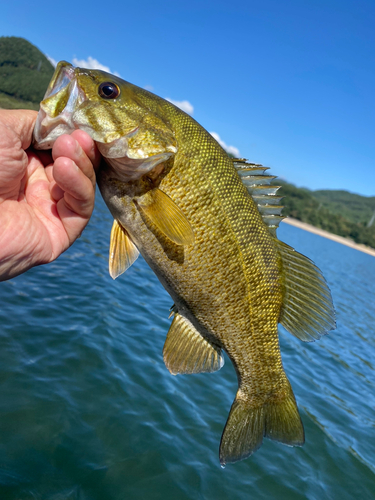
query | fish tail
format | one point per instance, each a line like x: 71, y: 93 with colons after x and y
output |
x: 278, y: 419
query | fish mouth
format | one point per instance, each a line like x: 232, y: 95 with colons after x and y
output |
x: 62, y: 98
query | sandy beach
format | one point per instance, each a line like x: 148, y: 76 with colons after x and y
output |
x: 330, y: 236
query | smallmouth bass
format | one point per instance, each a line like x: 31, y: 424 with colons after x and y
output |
x: 206, y: 224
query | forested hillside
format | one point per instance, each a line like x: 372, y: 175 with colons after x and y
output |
x: 353, y: 207
x: 24, y: 74
x: 338, y: 212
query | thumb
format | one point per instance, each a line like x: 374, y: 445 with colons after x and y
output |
x: 74, y: 175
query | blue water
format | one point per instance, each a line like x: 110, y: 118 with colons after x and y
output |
x: 88, y: 410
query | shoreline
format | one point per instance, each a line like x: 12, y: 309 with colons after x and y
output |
x: 330, y: 236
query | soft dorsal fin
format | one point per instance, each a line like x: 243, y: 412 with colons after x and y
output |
x: 167, y: 216
x: 122, y: 251
x: 186, y: 351
x: 307, y: 311
x: 258, y: 185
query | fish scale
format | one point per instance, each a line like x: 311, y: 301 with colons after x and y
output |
x: 206, y: 224
x: 241, y: 215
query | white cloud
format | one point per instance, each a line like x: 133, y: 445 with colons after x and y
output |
x: 91, y: 63
x: 149, y: 87
x: 52, y: 61
x: 184, y: 105
x: 229, y: 149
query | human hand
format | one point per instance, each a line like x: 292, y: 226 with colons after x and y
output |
x: 45, y: 201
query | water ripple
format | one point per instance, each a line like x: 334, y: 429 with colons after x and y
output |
x: 88, y: 410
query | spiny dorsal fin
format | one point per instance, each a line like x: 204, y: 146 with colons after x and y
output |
x: 307, y: 311
x: 258, y: 185
x: 122, y: 251
x: 186, y: 351
x: 167, y: 216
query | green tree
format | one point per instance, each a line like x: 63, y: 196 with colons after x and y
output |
x: 338, y: 212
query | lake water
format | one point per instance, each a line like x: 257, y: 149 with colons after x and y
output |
x: 88, y: 410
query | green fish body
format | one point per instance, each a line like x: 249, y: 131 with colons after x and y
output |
x: 206, y: 225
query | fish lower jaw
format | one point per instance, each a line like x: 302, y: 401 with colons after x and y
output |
x: 48, y: 129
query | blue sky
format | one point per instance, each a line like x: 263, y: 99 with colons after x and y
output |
x: 290, y: 83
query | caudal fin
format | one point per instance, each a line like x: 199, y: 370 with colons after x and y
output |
x: 277, y: 419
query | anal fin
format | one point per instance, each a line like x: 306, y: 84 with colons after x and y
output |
x: 186, y: 351
x: 122, y: 251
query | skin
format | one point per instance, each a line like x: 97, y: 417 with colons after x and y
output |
x: 46, y: 200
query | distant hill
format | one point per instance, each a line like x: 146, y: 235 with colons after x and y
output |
x: 354, y: 207
x: 25, y: 73
x: 339, y: 212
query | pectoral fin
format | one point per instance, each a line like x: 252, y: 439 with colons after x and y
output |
x: 186, y: 351
x: 307, y: 311
x: 166, y: 216
x: 122, y: 251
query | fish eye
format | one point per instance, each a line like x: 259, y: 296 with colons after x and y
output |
x: 108, y: 90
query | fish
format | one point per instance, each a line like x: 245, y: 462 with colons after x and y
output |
x: 206, y: 225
